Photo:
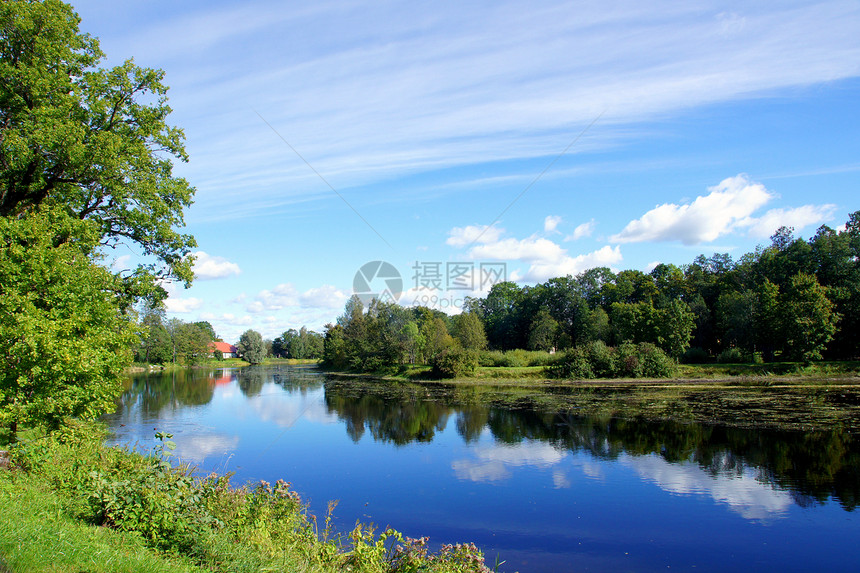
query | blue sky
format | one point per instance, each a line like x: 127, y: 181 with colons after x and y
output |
x: 551, y: 137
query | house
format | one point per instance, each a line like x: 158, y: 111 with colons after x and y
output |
x: 227, y: 350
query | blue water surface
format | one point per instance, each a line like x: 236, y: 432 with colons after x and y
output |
x: 539, y: 490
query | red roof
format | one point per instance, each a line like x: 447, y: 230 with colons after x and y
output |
x: 223, y: 347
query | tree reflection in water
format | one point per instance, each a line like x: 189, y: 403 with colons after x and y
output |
x: 813, y: 466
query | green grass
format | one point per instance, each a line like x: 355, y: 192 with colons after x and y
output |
x: 289, y: 361
x: 782, y: 369
x: 38, y: 536
x: 70, y: 504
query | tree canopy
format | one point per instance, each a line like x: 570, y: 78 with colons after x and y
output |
x: 251, y: 347
x: 85, y: 165
x: 65, y: 340
x: 94, y: 142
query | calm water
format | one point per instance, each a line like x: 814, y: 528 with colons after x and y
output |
x: 542, y: 489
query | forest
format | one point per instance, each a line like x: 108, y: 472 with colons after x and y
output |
x: 793, y: 299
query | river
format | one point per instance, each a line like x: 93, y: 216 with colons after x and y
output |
x: 539, y: 488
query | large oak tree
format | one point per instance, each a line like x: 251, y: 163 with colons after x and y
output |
x: 86, y: 163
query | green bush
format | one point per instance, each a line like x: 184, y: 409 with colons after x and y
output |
x: 597, y: 360
x: 210, y: 523
x: 516, y: 358
x: 733, y: 355
x: 695, y: 355
x: 654, y: 362
x: 573, y: 364
x: 603, y: 359
x: 454, y: 363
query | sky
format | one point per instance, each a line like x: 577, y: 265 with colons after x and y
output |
x: 451, y: 145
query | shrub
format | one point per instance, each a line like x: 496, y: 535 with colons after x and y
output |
x: 572, y: 364
x: 695, y: 355
x: 597, y: 360
x: 654, y: 362
x: 454, y: 363
x: 733, y: 355
x: 602, y: 358
x: 211, y: 523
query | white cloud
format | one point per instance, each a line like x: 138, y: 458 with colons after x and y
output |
x: 326, y: 296
x: 742, y: 492
x: 797, y: 218
x: 465, y: 236
x: 493, y: 463
x: 529, y: 249
x: 551, y: 223
x: 582, y: 231
x: 286, y: 296
x: 546, y: 258
x: 282, y: 296
x: 182, y: 305
x: 177, y: 304
x: 705, y: 219
x: 208, y: 267
x: 565, y: 265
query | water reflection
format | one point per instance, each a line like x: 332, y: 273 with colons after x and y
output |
x: 680, y: 458
x: 813, y: 466
x: 518, y: 472
x: 745, y: 493
x: 757, y: 473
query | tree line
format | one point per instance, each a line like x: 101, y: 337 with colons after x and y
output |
x: 793, y: 299
x: 174, y: 341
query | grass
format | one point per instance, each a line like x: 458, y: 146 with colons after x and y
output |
x: 39, y: 537
x: 72, y: 504
x: 288, y: 361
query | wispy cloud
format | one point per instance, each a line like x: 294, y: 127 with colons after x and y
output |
x: 582, y: 231
x: 371, y: 90
x: 551, y: 223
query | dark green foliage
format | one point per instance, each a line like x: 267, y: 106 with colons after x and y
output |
x: 733, y: 355
x: 468, y: 330
x: 793, y: 299
x: 300, y: 344
x: 643, y: 360
x: 696, y: 355
x: 385, y: 337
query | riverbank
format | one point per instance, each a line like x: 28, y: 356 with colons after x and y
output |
x: 72, y: 504
x: 774, y: 372
x: 209, y: 363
